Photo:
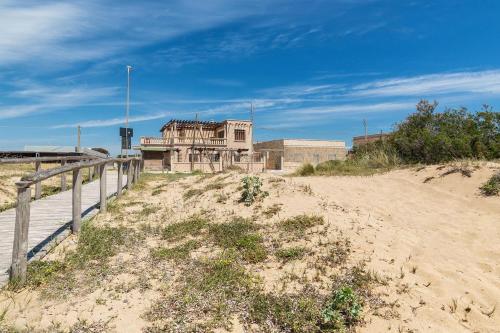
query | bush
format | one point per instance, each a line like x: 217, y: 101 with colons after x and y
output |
x: 492, y: 186
x: 430, y: 137
x: 343, y: 310
x: 305, y: 170
x: 251, y: 189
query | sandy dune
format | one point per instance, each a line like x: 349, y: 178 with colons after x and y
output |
x: 430, y: 234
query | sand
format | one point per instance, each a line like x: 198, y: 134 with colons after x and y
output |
x: 435, y: 240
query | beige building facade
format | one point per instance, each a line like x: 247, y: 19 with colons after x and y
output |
x: 289, y: 154
x: 189, y: 145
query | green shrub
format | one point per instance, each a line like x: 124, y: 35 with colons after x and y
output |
x: 343, y: 310
x: 305, y: 170
x: 492, y: 186
x: 430, y: 137
x: 251, y: 190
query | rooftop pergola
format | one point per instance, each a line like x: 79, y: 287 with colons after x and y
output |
x: 191, y: 123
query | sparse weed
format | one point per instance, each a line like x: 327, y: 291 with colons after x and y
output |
x: 292, y: 253
x: 193, y: 225
x: 300, y: 223
x: 177, y: 253
x: 192, y: 192
x: 272, y: 210
x: 239, y: 235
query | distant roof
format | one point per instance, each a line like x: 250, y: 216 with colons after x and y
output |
x: 190, y: 123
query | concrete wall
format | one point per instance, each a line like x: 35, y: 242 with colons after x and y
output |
x: 297, y: 152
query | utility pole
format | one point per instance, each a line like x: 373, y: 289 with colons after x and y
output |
x: 251, y: 136
x: 366, y: 130
x: 129, y: 68
x: 194, y: 141
x: 78, y: 142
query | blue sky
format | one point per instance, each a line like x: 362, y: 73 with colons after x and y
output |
x: 313, y: 69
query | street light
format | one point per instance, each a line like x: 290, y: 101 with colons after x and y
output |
x: 129, y: 68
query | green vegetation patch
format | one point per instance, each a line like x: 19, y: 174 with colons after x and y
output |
x: 177, y: 253
x: 291, y: 253
x: 209, y: 292
x: 240, y: 235
x: 300, y: 223
x: 193, y: 226
x: 492, y: 186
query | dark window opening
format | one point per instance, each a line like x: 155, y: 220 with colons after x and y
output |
x: 239, y: 135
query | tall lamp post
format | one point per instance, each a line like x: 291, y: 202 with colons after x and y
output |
x: 129, y: 69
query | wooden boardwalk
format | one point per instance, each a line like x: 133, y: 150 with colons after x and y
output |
x: 49, y: 218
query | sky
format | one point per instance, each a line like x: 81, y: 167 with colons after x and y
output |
x: 312, y: 69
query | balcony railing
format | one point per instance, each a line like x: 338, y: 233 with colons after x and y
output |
x: 153, y: 141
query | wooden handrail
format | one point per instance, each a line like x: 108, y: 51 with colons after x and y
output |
x: 45, y: 159
x: 36, y: 177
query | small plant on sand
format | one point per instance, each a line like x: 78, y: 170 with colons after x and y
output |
x: 251, y: 190
x: 343, y: 310
x: 292, y: 253
x: 221, y: 198
x: 492, y: 186
x: 300, y: 223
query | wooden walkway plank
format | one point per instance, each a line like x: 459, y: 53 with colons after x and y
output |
x: 48, y: 215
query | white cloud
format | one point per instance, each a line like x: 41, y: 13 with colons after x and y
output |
x: 487, y: 82
x: 44, y: 99
x: 113, y: 121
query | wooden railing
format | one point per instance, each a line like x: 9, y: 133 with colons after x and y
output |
x: 38, y: 167
x: 20, y: 247
x: 147, y: 140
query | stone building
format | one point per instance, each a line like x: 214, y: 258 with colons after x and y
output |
x: 208, y: 146
x: 289, y: 154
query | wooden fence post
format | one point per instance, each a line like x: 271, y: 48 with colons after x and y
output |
x: 77, y: 200
x: 134, y: 172
x: 63, y: 178
x: 20, y: 246
x: 102, y: 182
x: 129, y: 175
x: 38, y: 186
x: 120, y: 180
x: 137, y: 170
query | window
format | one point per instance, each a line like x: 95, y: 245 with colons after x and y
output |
x: 239, y: 135
x: 214, y: 157
x: 196, y: 157
x: 220, y: 134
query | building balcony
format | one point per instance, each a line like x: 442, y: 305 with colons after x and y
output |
x: 155, y: 141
